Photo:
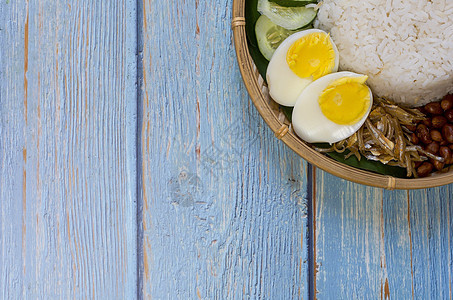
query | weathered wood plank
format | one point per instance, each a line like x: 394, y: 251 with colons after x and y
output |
x: 431, y: 217
x: 376, y: 243
x: 224, y: 202
x: 67, y: 149
x: 347, y: 240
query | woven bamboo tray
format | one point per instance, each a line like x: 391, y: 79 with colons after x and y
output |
x: 274, y: 117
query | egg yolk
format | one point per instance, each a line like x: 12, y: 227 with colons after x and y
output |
x: 345, y: 101
x: 311, y: 55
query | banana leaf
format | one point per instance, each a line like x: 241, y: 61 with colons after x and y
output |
x: 251, y: 16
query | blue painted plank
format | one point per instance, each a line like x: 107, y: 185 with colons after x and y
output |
x: 67, y: 150
x: 376, y: 243
x: 348, y: 243
x: 431, y: 223
x: 225, y: 203
x: 396, y: 253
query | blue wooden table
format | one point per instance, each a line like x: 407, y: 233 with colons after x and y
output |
x: 133, y: 165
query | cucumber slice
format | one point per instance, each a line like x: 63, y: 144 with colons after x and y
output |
x: 293, y: 3
x: 270, y: 36
x: 287, y: 17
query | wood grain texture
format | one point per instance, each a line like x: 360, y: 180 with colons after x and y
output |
x: 67, y: 149
x: 224, y: 213
x: 372, y: 243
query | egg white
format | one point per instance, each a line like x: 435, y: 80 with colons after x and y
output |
x: 309, y: 122
x: 284, y: 85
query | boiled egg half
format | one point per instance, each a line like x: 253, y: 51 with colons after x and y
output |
x: 332, y: 108
x: 299, y: 60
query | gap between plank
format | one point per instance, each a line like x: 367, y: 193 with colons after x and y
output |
x: 139, y: 158
x: 311, y: 181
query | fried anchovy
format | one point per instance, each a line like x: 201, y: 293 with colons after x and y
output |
x: 386, y: 137
x: 380, y: 138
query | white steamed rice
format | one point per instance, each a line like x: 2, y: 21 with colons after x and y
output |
x: 404, y: 46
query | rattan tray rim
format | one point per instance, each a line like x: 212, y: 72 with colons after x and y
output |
x: 281, y: 128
